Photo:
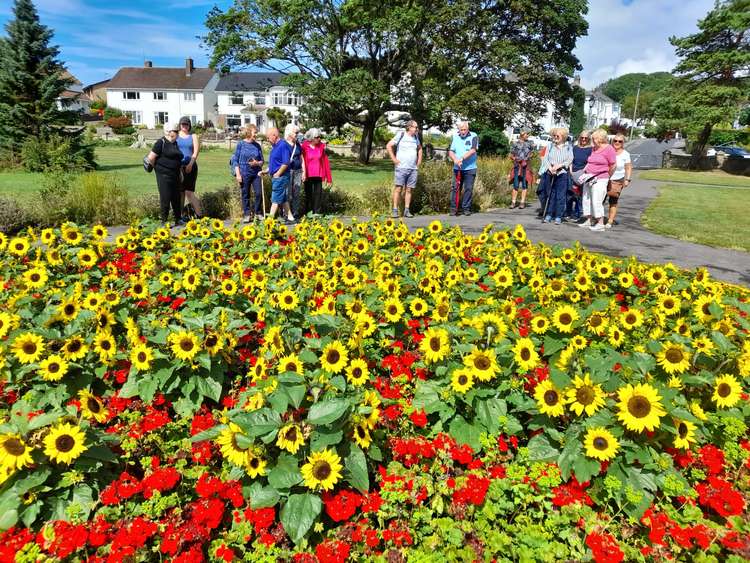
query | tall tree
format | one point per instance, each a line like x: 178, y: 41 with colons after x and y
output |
x: 627, y: 84
x: 356, y: 60
x: 31, y: 79
x: 713, y: 75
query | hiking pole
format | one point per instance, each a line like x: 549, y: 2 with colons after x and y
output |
x: 263, y: 196
x: 547, y: 197
x: 458, y: 189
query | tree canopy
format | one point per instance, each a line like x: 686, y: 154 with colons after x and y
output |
x: 626, y: 85
x: 355, y: 61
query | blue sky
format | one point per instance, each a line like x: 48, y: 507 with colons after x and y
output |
x: 98, y: 37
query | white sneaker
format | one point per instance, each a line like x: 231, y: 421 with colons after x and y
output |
x: 597, y: 227
x: 585, y: 225
x: 608, y: 226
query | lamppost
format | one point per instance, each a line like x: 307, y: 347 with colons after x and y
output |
x: 590, y: 122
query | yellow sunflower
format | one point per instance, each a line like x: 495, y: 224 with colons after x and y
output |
x: 288, y: 300
x: 482, y: 363
x: 393, y: 309
x: 435, y: 345
x: 525, y: 354
x: 727, y: 391
x: 65, y: 443
x: 584, y: 396
x: 28, y: 347
x: 185, y: 345
x: 35, y: 278
x: 334, y: 357
x: 630, y: 319
x: 564, y: 317
x: 290, y: 438
x: 600, y: 444
x: 462, y: 380
x: 357, y: 372
x: 322, y: 470
x: 74, y: 348
x: 361, y: 435
x: 640, y: 407
x: 92, y: 406
x: 6, y: 323
x: 418, y: 307
x: 213, y: 343
x: 234, y: 445
x: 290, y: 363
x: 255, y: 465
x: 685, y: 434
x: 673, y: 358
x: 104, y: 345
x: 141, y: 357
x: 539, y: 324
x: 549, y: 399
x: 14, y: 452
x: 53, y: 368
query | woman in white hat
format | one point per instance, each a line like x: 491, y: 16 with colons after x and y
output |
x: 316, y: 170
x: 166, y: 158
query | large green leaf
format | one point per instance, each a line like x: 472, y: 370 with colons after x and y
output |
x: 260, y: 496
x: 208, y: 387
x: 257, y: 423
x: 488, y: 413
x: 356, y: 465
x: 299, y: 514
x: 465, y: 433
x: 585, y: 468
x: 286, y: 474
x: 327, y: 411
x: 320, y: 440
x: 427, y: 397
x: 541, y: 450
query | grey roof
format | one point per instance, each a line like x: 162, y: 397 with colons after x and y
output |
x: 149, y: 78
x: 600, y: 96
x: 248, y: 81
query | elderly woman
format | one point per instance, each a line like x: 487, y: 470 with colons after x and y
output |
x: 317, y: 169
x: 556, y: 168
x: 248, y: 162
x: 581, y: 153
x: 600, y: 166
x: 620, y: 177
x: 166, y: 158
x: 296, y: 169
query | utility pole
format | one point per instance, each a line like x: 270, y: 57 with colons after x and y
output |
x: 635, y: 110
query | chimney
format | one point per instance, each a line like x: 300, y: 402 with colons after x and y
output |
x: 577, y: 80
x: 147, y: 64
x: 189, y: 67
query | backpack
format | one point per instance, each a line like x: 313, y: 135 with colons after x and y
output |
x: 401, y: 136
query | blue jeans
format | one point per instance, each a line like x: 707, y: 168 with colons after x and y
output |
x: 467, y: 183
x: 556, y: 195
x: 256, y: 184
x: 573, y: 206
x: 519, y: 176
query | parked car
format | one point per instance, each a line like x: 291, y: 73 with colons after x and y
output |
x: 732, y: 150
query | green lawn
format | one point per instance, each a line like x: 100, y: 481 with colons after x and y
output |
x: 705, y: 214
x: 125, y: 164
x: 713, y: 178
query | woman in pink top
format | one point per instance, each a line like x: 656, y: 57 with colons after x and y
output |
x: 600, y: 164
x: 317, y: 169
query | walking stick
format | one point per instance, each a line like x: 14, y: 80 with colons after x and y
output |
x: 548, y: 192
x: 458, y: 188
x: 263, y: 196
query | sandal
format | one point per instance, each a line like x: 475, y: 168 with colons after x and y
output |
x: 522, y: 206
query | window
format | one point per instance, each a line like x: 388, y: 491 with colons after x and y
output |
x: 131, y: 95
x: 234, y: 121
x: 136, y: 117
x: 160, y: 96
x: 161, y: 117
x: 259, y: 121
x: 260, y: 99
x: 189, y: 96
x: 236, y: 100
x: 277, y: 98
x: 292, y: 100
x: 193, y: 119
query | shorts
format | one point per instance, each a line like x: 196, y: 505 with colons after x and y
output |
x: 278, y: 189
x: 614, y: 190
x: 406, y: 177
x: 189, y: 180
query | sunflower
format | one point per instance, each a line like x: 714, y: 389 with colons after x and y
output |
x: 92, y: 406
x: 362, y: 435
x: 185, y: 345
x: 503, y: 277
x: 418, y: 307
x: 640, y: 407
x: 191, y: 279
x: 35, y: 278
x: 18, y: 246
x: 288, y: 300
x: 234, y: 445
x: 290, y: 438
x: 228, y: 286
x: 582, y: 281
x: 53, y: 368
x: 86, y: 257
x: 213, y: 342
x: 141, y: 357
x: 673, y: 358
x: 274, y: 340
x: 669, y: 304
x: 14, y: 452
x: 28, y: 347
x: 290, y: 363
x: 615, y: 336
x: 585, y: 396
x: 556, y: 287
x: 6, y: 323
x: 727, y: 391
x: 578, y: 342
x: 357, y: 373
x: 482, y: 363
x: 322, y: 470
x: 393, y: 309
x: 539, y: 324
x: 600, y: 444
x: 564, y: 317
x: 630, y: 319
x: 138, y: 288
x: 462, y: 380
x: 334, y: 357
x: 685, y: 434
x: 435, y: 345
x: 549, y: 399
x: 525, y: 355
x: 255, y: 464
x: 64, y: 443
x: 104, y: 345
x: 74, y: 348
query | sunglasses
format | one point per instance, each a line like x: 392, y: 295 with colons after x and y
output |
x: 583, y: 138
x: 617, y: 142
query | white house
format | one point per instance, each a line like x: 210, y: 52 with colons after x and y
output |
x: 73, y: 98
x: 600, y: 109
x: 244, y: 98
x: 153, y: 96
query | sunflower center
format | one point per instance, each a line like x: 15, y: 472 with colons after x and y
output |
x: 463, y: 379
x: 53, y: 367
x: 186, y: 344
x: 361, y: 432
x: 211, y: 340
x: 321, y: 470
x: 556, y: 286
x: 639, y: 406
x: 357, y: 372
x: 291, y: 435
x: 724, y: 390
x: 595, y: 321
x: 630, y: 319
x: 435, y: 344
x: 74, y: 346
x: 141, y: 357
x: 482, y: 363
x: 333, y: 356
x: 35, y: 277
x: 14, y: 447
x: 29, y: 348
x: 682, y: 430
x: 288, y: 299
x: 585, y: 395
x: 254, y: 463
x: 600, y: 443
x: 674, y: 355
x: 525, y: 354
x: 94, y: 405
x: 566, y: 319
x: 65, y: 443
x: 551, y: 398
x: 69, y: 309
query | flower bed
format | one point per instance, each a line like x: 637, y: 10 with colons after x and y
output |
x: 364, y: 391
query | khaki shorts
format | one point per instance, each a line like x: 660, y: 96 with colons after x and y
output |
x: 614, y: 190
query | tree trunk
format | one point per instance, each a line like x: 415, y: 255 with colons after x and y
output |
x: 368, y: 135
x: 699, y: 147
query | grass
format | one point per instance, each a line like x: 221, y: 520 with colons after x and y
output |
x: 713, y: 178
x: 705, y: 214
x: 213, y: 165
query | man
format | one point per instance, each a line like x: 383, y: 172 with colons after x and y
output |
x: 463, y: 153
x: 296, y: 168
x: 278, y: 168
x: 520, y: 153
x: 405, y: 151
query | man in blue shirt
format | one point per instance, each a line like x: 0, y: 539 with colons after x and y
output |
x: 463, y: 153
x: 278, y: 168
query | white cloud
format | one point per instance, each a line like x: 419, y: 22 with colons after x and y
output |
x: 634, y: 38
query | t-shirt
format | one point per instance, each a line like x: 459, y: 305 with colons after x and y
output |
x: 521, y: 150
x: 280, y: 155
x: 296, y: 151
x: 622, y: 159
x: 461, y: 145
x: 600, y: 161
x: 169, y: 157
x: 407, y: 147
x: 243, y: 154
x: 580, y: 157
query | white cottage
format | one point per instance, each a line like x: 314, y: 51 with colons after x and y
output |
x: 245, y: 97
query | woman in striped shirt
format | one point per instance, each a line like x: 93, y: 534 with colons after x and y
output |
x: 556, y: 167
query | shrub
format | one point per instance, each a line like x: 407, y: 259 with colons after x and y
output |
x: 57, y: 151
x: 13, y: 217
x: 492, y: 140
x: 121, y: 124
x: 219, y: 203
x: 111, y: 112
x: 736, y: 136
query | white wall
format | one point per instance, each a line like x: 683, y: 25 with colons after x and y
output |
x: 257, y: 117
x: 175, y: 105
x: 601, y: 112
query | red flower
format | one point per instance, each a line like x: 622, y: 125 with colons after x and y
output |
x: 571, y: 493
x: 712, y: 458
x: 604, y: 547
x: 718, y: 494
x: 163, y: 479
x: 419, y: 418
x: 224, y: 553
x: 261, y: 518
x: 332, y: 551
x: 341, y: 506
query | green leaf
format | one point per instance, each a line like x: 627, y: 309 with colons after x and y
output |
x: 286, y: 474
x: 552, y: 345
x: 296, y: 394
x: 716, y: 310
x: 541, y: 450
x: 257, y: 423
x: 585, y: 468
x: 209, y: 434
x: 43, y: 420
x: 356, y: 465
x: 427, y: 397
x: 208, y: 387
x: 308, y: 356
x: 320, y: 440
x: 262, y: 497
x: 279, y: 400
x: 559, y: 378
x: 130, y: 387
x: 328, y: 411
x: 299, y: 513
x: 571, y: 452
x: 147, y: 388
x: 721, y: 341
x: 488, y: 413
x: 465, y: 433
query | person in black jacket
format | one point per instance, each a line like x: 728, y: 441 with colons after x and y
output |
x: 166, y: 158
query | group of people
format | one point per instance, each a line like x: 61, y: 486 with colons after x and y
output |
x: 574, y: 180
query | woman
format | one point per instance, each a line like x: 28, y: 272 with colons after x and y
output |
x: 248, y: 162
x: 600, y: 165
x: 556, y: 167
x: 189, y: 145
x: 520, y: 154
x: 620, y: 178
x: 296, y: 169
x: 317, y: 169
x: 581, y: 153
x: 166, y: 158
